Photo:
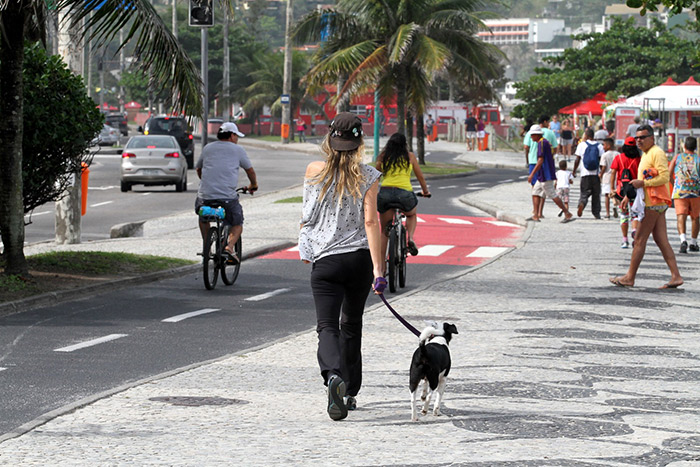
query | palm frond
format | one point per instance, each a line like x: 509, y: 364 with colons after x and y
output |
x: 401, y: 41
x: 156, y: 49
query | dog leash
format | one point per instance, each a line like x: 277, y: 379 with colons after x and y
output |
x: 408, y: 325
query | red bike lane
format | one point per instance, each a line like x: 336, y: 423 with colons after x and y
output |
x: 451, y: 240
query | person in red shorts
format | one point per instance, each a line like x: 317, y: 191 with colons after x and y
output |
x: 627, y: 159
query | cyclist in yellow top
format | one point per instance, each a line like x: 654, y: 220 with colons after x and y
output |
x: 396, y: 162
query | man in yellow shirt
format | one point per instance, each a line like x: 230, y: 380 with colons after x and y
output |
x: 654, y: 221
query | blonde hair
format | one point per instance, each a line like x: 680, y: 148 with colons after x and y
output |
x: 343, y: 167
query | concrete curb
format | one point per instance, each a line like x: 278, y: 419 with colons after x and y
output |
x: 52, y: 298
x: 494, y: 211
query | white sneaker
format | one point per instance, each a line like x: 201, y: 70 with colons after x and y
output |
x: 625, y: 245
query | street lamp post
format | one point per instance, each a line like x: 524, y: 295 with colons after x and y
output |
x: 287, y: 81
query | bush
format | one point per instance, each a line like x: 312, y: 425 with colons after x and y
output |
x: 60, y: 120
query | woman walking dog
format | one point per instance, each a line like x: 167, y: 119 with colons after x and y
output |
x: 340, y: 236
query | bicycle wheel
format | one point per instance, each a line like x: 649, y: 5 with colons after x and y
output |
x: 393, y: 259
x: 210, y: 258
x: 403, y: 253
x: 229, y: 272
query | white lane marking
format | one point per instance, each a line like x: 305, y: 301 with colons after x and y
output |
x: 41, y: 213
x: 2, y: 368
x: 447, y: 187
x: 90, y: 343
x: 501, y: 223
x: 145, y: 194
x: 474, y: 188
x: 481, y: 183
x: 449, y: 220
x: 101, y: 204
x: 418, y: 219
x: 294, y: 248
x: 433, y: 250
x: 508, y: 181
x: 522, y: 177
x: 487, y: 252
x: 177, y: 318
x: 257, y: 298
x: 101, y: 188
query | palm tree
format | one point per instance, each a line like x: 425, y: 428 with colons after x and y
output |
x: 266, y: 77
x: 393, y: 44
x: 156, y: 49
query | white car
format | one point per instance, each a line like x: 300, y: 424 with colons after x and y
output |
x: 153, y: 160
x: 108, y: 136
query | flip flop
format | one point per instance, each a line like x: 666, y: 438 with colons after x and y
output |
x: 671, y: 286
x: 566, y: 221
x: 532, y: 219
x: 616, y: 281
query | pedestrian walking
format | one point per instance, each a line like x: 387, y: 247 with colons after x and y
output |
x: 654, y: 220
x: 429, y: 128
x: 623, y: 170
x: 543, y: 175
x: 686, y: 192
x: 563, y: 185
x: 605, y: 172
x: 555, y: 126
x: 470, y: 128
x: 340, y: 236
x: 531, y: 148
x: 566, y: 139
x: 590, y: 152
x: 301, y: 129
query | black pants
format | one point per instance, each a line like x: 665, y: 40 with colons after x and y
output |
x: 341, y: 283
x: 590, y: 188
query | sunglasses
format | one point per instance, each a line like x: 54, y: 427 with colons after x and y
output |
x: 639, y: 138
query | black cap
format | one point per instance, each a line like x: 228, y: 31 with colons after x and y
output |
x: 345, y: 132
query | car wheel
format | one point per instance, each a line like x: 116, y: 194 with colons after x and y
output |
x: 181, y: 185
x: 126, y: 187
x: 190, y: 160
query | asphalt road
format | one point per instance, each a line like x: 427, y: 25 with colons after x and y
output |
x: 57, y: 355
x: 108, y: 206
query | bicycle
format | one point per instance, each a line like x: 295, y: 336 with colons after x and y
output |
x: 215, y: 261
x: 397, y: 250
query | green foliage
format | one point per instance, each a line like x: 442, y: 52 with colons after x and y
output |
x: 622, y: 61
x: 59, y: 123
x: 675, y: 6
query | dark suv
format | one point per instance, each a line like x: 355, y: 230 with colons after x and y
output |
x: 173, y: 126
x: 117, y: 121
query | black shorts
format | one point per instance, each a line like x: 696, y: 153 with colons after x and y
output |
x: 234, y: 211
x: 392, y: 197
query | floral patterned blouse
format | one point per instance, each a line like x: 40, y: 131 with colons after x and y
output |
x: 329, y: 227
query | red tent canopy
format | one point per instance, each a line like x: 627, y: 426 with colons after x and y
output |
x: 594, y: 106
x: 132, y: 105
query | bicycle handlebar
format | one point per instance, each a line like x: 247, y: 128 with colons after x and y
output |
x: 244, y: 190
x: 424, y: 196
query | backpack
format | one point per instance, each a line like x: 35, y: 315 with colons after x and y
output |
x: 627, y: 189
x: 591, y: 158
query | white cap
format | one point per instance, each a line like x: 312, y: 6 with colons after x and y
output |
x: 230, y: 127
x: 536, y: 130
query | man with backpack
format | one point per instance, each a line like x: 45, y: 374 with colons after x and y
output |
x: 623, y: 170
x: 590, y: 152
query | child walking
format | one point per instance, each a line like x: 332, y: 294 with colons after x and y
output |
x: 564, y: 180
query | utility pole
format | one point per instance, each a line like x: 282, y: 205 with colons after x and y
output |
x: 121, y: 72
x: 205, y: 90
x: 227, y: 72
x: 67, y: 220
x: 174, y: 30
x: 287, y: 81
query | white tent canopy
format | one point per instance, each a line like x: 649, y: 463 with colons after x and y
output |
x: 677, y: 97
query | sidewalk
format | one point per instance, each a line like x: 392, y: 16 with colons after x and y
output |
x: 552, y: 366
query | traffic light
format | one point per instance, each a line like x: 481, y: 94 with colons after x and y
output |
x: 201, y: 13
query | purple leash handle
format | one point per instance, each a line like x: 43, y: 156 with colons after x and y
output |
x: 399, y: 317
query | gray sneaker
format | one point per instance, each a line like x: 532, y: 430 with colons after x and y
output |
x: 337, y: 409
x: 350, y: 402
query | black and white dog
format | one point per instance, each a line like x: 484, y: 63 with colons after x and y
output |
x: 431, y: 363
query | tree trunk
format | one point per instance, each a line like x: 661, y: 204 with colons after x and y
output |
x: 68, y: 208
x: 409, y: 130
x: 14, y: 19
x: 401, y: 103
x: 420, y: 139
